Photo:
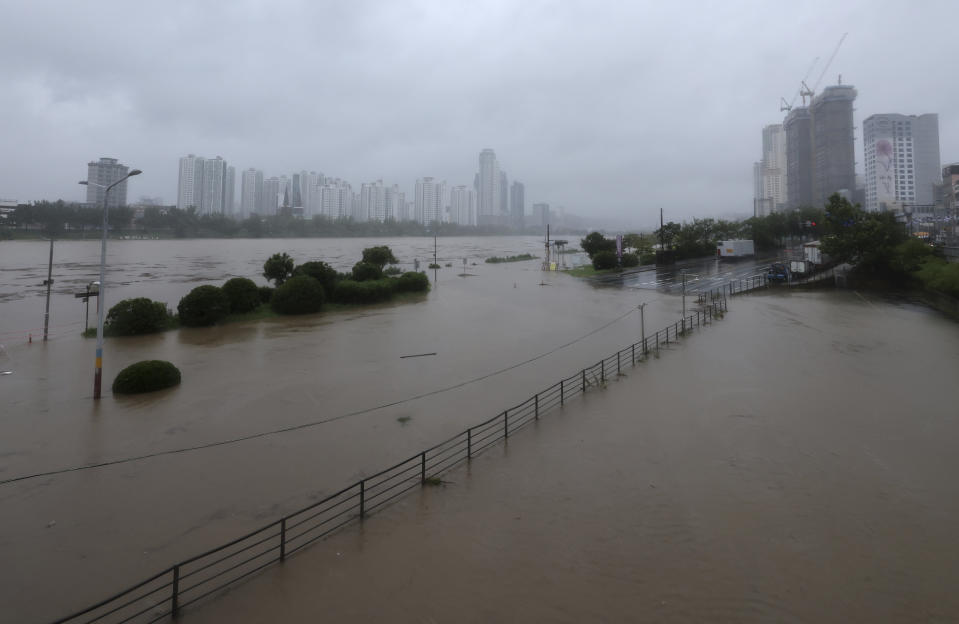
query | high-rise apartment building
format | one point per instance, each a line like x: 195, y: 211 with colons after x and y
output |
x: 206, y: 184
x: 774, y: 166
x: 271, y: 200
x: 428, y: 203
x: 101, y: 174
x: 396, y: 204
x: 834, y: 139
x: 463, y: 205
x: 488, y: 188
x: 517, y: 205
x: 190, y: 186
x: 799, y: 151
x: 820, y: 149
x: 372, y: 202
x: 251, y: 192
x: 503, y: 216
x: 902, y: 160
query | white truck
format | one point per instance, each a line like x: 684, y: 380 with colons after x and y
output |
x: 813, y: 254
x: 735, y: 249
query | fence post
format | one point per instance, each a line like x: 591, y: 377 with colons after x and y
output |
x: 423, y: 467
x: 684, y: 326
x: 617, y: 363
x: 562, y: 392
x: 602, y: 371
x: 469, y: 443
x: 657, y: 342
x: 283, y: 531
x: 536, y: 405
x: 175, y: 599
x: 584, y: 381
x: 362, y: 498
x: 634, y: 354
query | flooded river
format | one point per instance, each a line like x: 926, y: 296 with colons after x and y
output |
x: 793, y: 462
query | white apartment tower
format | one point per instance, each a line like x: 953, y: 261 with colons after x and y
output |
x: 190, y: 186
x: 902, y: 160
x: 488, y: 193
x: 101, y: 174
x: 429, y: 202
x: 463, y: 205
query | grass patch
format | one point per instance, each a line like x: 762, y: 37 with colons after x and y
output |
x: 519, y: 258
x: 587, y: 270
x: 404, y: 419
x: 434, y: 481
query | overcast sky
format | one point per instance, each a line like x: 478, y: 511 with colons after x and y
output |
x: 611, y: 109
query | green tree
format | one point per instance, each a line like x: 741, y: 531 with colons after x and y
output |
x: 380, y: 256
x: 365, y: 272
x: 278, y: 268
x: 866, y: 239
x: 146, y: 376
x: 595, y: 243
x: 321, y: 272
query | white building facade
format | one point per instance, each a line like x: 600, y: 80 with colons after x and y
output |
x: 901, y: 159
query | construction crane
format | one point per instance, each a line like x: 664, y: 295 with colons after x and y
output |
x: 805, y: 90
x: 783, y: 106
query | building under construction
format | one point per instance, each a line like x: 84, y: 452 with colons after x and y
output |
x: 820, y: 148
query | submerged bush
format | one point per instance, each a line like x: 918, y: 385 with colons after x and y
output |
x: 366, y: 271
x: 146, y: 376
x: 413, y: 282
x: 351, y: 291
x: 243, y: 294
x: 204, y: 305
x: 137, y: 316
x: 321, y: 272
x: 298, y: 295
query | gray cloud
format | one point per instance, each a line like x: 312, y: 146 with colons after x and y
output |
x: 611, y: 109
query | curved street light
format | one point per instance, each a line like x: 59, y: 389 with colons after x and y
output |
x: 101, y: 307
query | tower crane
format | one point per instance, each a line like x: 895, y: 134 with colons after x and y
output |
x: 811, y: 92
x: 783, y: 105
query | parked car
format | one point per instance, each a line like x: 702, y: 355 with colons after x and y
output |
x: 778, y: 272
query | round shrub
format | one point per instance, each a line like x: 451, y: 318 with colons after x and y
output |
x: 146, y: 376
x: 630, y: 260
x: 137, y: 316
x: 243, y: 294
x: 392, y: 270
x: 604, y: 260
x: 266, y: 293
x: 351, y: 291
x: 413, y: 282
x: 321, y: 272
x: 204, y: 305
x: 298, y: 295
x: 366, y: 271
x: 278, y: 268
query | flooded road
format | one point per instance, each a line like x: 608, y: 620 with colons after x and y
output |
x: 818, y: 426
x: 794, y: 463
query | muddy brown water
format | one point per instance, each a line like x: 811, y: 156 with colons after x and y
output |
x: 792, y: 463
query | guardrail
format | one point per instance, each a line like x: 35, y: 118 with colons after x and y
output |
x: 166, y: 593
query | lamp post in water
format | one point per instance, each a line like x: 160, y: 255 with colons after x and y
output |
x: 101, y: 302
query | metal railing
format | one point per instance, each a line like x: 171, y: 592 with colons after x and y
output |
x: 166, y: 593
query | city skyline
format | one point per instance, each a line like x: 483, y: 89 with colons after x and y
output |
x: 602, y: 111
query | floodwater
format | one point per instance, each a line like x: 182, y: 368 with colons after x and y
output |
x: 793, y: 462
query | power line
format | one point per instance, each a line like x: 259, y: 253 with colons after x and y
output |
x: 263, y: 434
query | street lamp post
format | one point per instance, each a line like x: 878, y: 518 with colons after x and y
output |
x: 101, y: 302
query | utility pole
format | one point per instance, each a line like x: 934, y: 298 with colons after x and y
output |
x: 48, y: 284
x: 642, y: 324
x: 684, y: 293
